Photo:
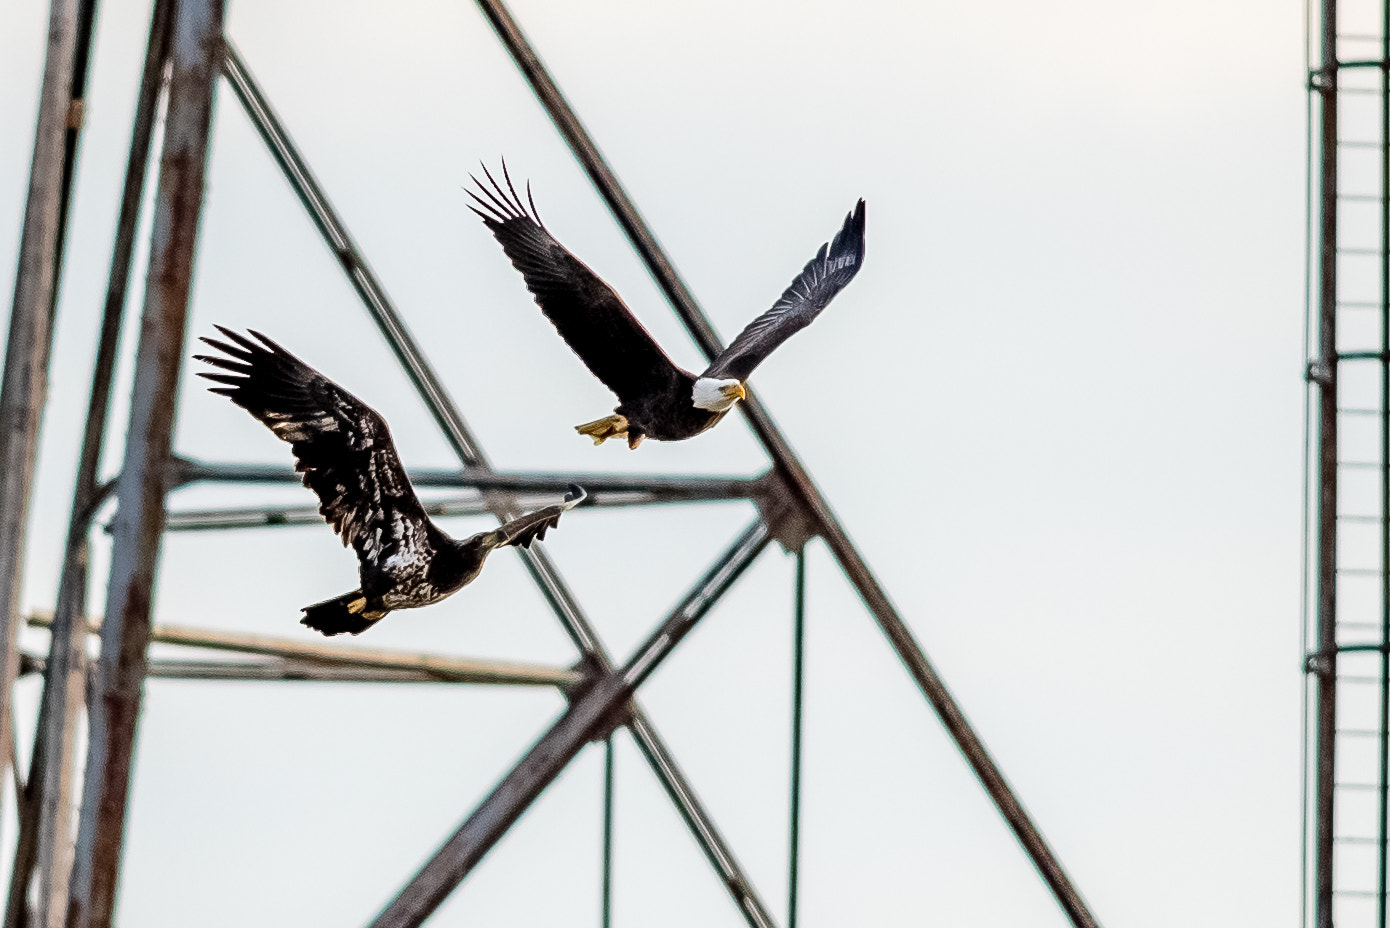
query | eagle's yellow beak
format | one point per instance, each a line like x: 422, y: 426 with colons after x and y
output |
x: 734, y: 391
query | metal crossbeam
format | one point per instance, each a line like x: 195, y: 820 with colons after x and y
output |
x: 440, y: 668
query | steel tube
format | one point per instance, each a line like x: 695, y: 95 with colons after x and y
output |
x: 473, y: 477
x: 701, y: 825
x: 899, y: 636
x: 538, y: 563
x: 195, y: 52
x: 441, y: 667
x: 606, y: 906
x: 24, y: 382
x: 591, y: 715
x: 298, y: 670
x: 798, y: 693
x: 1326, y: 569
x: 48, y: 845
x: 1383, y: 818
x: 197, y: 520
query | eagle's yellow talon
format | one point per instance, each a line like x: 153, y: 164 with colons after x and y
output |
x: 600, y: 430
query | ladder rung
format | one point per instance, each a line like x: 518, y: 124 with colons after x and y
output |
x: 1355, y: 839
x: 1363, y: 893
x: 1348, y: 517
x: 1368, y: 63
x: 1360, y: 732
x: 1356, y: 143
x: 1357, y: 411
x: 1359, y: 251
x: 1360, y: 571
x: 1363, y: 355
x: 1359, y: 464
x: 1358, y: 786
x: 1360, y: 197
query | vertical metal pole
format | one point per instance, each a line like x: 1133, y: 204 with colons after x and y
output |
x: 196, y: 52
x: 1326, y: 378
x: 1384, y: 461
x: 24, y: 383
x: 607, y: 919
x: 798, y: 678
x: 46, y: 843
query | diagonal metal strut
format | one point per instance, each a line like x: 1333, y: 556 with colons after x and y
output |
x: 591, y: 716
x: 799, y: 481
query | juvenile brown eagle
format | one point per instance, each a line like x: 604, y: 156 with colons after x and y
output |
x: 344, y: 450
x: 656, y: 398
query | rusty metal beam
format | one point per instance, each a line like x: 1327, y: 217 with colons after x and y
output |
x: 24, y: 383
x: 45, y: 845
x: 1323, y: 374
x: 195, y: 53
x: 442, y: 668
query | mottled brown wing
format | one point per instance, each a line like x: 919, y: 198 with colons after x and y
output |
x: 341, y: 445
x: 586, y: 312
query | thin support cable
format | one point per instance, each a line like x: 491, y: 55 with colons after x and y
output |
x: 606, y: 919
x: 798, y: 678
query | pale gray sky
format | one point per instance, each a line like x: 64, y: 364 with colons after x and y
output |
x: 1059, y: 411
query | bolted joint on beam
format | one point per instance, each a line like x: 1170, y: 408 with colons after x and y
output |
x: 1318, y: 664
x: 1318, y: 371
x: 592, y: 673
x: 789, y: 521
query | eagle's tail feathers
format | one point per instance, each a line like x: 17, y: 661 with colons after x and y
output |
x: 346, y: 614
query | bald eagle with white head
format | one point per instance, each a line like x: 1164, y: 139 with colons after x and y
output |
x: 344, y: 450
x: 657, y: 399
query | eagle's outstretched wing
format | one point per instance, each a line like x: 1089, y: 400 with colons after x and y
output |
x: 828, y: 272
x: 523, y: 530
x: 340, y: 444
x: 589, y: 316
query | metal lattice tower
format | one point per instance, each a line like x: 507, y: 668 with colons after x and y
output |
x: 57, y: 881
x: 1348, y: 627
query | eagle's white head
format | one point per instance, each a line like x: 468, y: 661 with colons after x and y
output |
x: 717, y: 395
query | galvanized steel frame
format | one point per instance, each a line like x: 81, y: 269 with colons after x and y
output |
x: 790, y: 510
x: 1329, y: 621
